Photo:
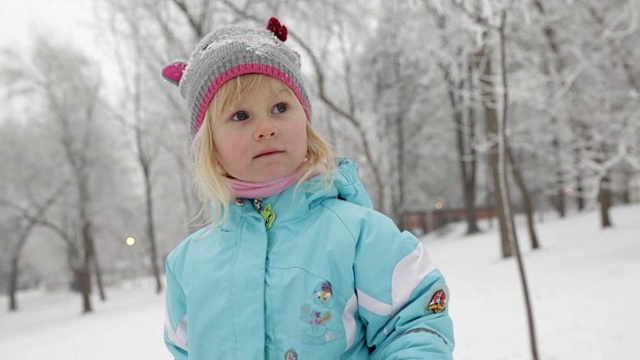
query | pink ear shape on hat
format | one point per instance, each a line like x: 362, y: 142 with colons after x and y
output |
x: 173, y: 72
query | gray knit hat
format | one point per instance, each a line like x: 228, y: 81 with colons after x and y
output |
x: 232, y: 51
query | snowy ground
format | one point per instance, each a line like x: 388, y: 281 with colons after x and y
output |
x: 128, y: 326
x: 585, y: 284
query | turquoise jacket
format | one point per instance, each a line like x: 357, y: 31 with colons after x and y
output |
x: 306, y: 275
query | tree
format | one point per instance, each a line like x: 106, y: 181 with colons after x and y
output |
x: 145, y: 36
x: 460, y: 78
x: 30, y: 220
x: 145, y: 155
x: 493, y: 19
x: 62, y: 73
x: 65, y: 85
x: 27, y: 209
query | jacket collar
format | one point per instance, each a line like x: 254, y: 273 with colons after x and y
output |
x: 297, y: 200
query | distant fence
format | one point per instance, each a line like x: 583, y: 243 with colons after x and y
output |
x: 422, y: 222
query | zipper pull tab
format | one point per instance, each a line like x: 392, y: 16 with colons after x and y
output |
x: 266, y: 212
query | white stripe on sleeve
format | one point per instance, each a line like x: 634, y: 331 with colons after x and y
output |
x: 349, y: 321
x: 407, y: 274
x: 179, y: 335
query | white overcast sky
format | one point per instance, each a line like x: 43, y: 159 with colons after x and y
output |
x: 66, y: 21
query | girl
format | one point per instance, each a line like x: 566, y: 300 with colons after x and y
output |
x: 295, y: 264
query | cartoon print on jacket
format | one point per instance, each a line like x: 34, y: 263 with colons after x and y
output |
x: 318, y: 317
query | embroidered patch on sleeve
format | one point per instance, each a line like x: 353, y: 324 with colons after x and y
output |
x: 438, y: 302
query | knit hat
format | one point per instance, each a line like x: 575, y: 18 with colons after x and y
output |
x: 232, y: 51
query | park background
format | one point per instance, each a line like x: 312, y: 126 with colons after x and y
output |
x: 466, y: 117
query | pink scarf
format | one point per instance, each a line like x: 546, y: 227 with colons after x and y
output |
x: 253, y: 190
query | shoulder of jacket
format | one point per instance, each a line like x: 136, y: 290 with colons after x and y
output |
x: 180, y: 251
x: 358, y: 218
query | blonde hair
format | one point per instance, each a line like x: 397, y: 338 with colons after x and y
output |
x: 209, y: 175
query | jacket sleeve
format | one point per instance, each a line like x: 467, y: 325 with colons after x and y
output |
x: 175, y: 324
x: 402, y: 297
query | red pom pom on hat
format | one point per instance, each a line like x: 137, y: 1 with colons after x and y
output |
x: 278, y: 29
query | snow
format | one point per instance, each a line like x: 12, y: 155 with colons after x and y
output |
x: 584, y: 285
x: 128, y: 325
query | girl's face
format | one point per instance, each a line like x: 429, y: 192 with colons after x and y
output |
x: 263, y: 136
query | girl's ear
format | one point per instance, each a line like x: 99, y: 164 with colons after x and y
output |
x: 173, y: 72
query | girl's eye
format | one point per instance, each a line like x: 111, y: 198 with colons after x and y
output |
x: 280, y: 108
x: 240, y: 116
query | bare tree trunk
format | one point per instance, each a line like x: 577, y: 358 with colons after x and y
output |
x: 78, y: 162
x: 84, y: 280
x: 504, y: 155
x: 151, y: 229
x: 560, y: 204
x: 469, y: 205
x: 15, y: 266
x: 604, y: 197
x: 465, y: 134
x: 13, y: 283
x: 626, y: 192
x: 489, y: 192
x: 505, y: 219
x: 526, y: 198
x: 471, y: 161
x: 579, y: 186
x: 145, y: 164
x: 400, y: 123
x: 97, y: 270
x: 13, y: 277
x: 581, y: 132
x: 466, y: 153
x: 467, y: 164
x: 85, y: 270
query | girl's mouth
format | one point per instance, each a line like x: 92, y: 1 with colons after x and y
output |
x: 268, y: 153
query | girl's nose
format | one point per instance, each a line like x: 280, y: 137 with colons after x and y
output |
x: 265, y: 130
